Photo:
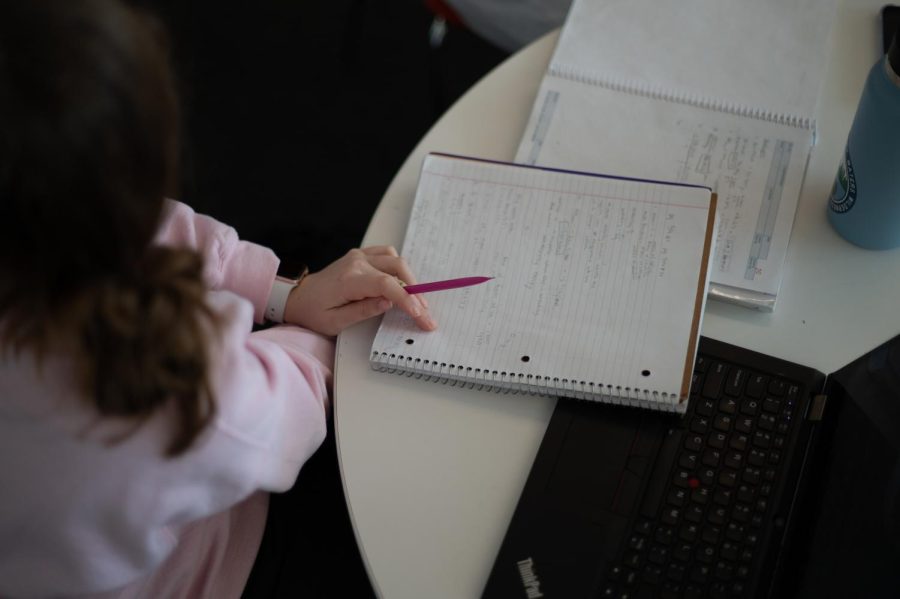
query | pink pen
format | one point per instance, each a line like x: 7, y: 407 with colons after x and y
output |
x: 442, y: 285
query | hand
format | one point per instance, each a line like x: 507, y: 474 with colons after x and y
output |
x: 362, y: 284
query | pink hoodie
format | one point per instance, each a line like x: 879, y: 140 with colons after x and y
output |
x: 82, y: 516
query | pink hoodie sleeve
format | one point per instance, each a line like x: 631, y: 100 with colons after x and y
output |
x: 243, y: 267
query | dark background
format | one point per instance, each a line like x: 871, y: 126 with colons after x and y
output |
x: 298, y: 114
x: 296, y: 117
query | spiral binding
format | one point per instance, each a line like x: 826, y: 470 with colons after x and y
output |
x: 516, y: 382
x: 658, y: 93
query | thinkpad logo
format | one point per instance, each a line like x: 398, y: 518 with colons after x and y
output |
x: 529, y: 578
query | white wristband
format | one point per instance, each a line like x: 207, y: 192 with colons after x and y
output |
x: 281, y: 289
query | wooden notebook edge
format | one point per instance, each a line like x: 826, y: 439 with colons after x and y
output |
x: 698, y: 300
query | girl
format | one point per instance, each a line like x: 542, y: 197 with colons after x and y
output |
x: 141, y: 421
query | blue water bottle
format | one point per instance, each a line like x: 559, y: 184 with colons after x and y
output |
x: 865, y: 200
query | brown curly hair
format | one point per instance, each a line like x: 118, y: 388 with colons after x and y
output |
x: 88, y: 150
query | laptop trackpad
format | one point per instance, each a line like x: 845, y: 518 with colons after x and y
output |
x: 626, y: 441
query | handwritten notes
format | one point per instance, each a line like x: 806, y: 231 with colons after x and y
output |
x: 596, y: 278
x: 755, y: 166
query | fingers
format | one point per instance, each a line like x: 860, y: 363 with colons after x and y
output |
x: 364, y: 283
x: 350, y: 314
x: 395, y: 266
x: 380, y: 250
x: 385, y: 259
x: 391, y: 289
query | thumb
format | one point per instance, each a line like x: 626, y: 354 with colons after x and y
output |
x: 354, y: 312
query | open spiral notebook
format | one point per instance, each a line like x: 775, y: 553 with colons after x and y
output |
x: 720, y: 93
x: 598, y: 291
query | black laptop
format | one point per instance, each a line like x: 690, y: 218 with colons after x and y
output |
x: 776, y: 483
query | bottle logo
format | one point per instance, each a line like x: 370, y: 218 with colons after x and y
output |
x: 843, y: 194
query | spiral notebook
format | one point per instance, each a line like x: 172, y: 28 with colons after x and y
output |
x: 720, y: 93
x: 598, y: 291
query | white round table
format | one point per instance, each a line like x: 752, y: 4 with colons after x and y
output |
x: 432, y: 473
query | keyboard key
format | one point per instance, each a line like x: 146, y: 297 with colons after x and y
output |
x: 670, y: 591
x: 715, y: 380
x: 652, y: 575
x: 677, y: 497
x: 682, y: 552
x: 692, y: 592
x: 689, y: 532
x: 734, y: 459
x: 664, y: 535
x: 671, y: 516
x: 777, y: 387
x: 746, y: 493
x: 658, y: 555
x: 637, y: 542
x: 675, y: 572
x: 728, y: 478
x: 711, y: 534
x: 762, y: 439
x: 700, y: 496
x: 723, y: 497
x: 730, y: 551
x: 706, y: 553
x: 693, y: 513
x: 717, y: 440
x: 644, y: 527
x: 707, y: 476
x: 739, y: 442
x: 724, y: 422
x: 682, y: 479
x: 711, y: 457
x: 742, y: 512
x: 728, y: 406
x: 756, y: 385
x: 766, y: 422
x: 734, y: 531
x: 694, y: 443
x: 717, y: 516
x: 724, y: 570
x: 705, y: 407
x: 688, y: 461
x: 770, y: 404
x: 744, y: 424
x: 699, y: 425
x: 700, y: 364
x: 734, y: 385
x: 700, y: 573
x: 751, y: 475
x: 750, y: 407
x: 793, y: 392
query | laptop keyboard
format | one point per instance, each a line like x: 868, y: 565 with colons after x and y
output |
x: 701, y: 528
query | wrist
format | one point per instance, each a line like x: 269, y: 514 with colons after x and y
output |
x: 282, y: 287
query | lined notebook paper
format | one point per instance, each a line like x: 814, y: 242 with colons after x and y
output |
x: 720, y: 93
x: 599, y: 282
